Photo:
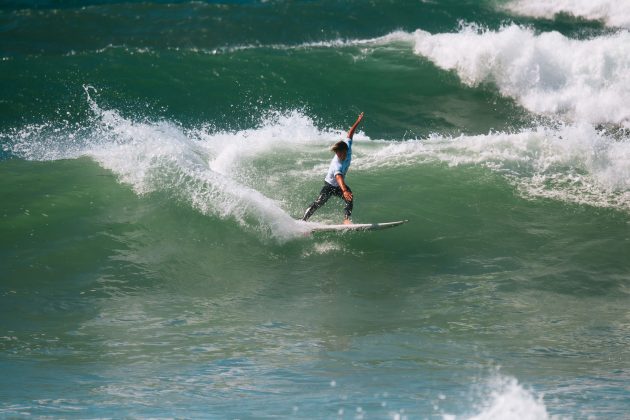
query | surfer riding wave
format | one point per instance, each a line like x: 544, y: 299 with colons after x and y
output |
x: 335, y: 181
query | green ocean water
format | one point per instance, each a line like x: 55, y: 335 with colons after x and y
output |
x: 155, y: 156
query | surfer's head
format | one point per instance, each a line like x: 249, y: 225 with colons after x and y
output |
x: 341, y: 149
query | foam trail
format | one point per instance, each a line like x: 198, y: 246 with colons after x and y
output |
x: 549, y: 74
x: 613, y: 13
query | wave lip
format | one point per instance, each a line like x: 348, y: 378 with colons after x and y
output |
x: 548, y: 74
x: 613, y: 13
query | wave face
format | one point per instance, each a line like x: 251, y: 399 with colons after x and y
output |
x: 155, y: 158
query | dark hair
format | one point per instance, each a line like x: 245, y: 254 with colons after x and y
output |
x: 340, y: 146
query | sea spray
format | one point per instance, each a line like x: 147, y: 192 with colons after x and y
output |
x: 502, y: 397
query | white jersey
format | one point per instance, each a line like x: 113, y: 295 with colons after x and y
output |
x: 339, y: 166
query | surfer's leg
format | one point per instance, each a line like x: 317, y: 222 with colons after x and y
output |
x: 324, y: 195
x: 349, y: 203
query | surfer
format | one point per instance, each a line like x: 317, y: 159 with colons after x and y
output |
x: 335, y: 181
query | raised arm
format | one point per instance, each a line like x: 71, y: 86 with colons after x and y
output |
x: 354, y: 126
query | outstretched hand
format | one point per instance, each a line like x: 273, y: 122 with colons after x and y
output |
x: 359, y: 118
x: 355, y: 125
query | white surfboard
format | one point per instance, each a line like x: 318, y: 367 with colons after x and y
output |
x: 357, y: 226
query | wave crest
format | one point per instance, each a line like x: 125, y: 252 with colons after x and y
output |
x: 612, y: 12
x: 549, y: 74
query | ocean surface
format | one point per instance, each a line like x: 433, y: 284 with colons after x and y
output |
x: 154, y: 158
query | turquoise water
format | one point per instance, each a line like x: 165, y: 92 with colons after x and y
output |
x: 154, y: 157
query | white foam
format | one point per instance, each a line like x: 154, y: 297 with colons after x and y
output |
x: 504, y: 398
x: 614, y: 13
x: 548, y: 73
x: 229, y: 150
x: 571, y: 163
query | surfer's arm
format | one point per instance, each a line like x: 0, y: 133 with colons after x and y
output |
x: 347, y: 194
x: 354, y: 126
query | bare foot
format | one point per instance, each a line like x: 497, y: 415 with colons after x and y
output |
x: 347, y: 221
